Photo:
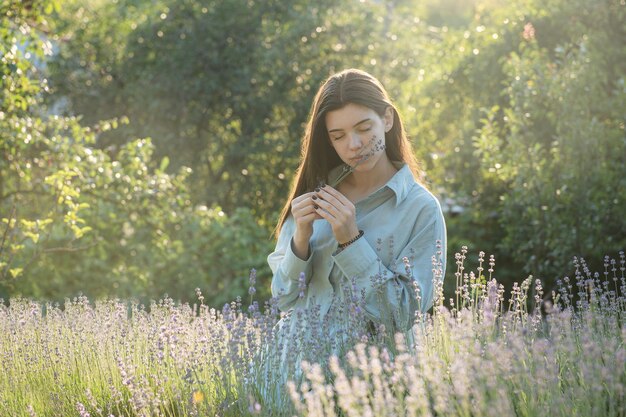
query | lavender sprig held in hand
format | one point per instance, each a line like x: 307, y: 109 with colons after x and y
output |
x: 372, y: 147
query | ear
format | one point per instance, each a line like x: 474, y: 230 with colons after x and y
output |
x: 388, y: 118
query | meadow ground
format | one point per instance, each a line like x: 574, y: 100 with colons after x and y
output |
x: 558, y: 354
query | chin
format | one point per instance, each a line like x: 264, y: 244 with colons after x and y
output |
x: 369, y: 164
x: 364, y: 167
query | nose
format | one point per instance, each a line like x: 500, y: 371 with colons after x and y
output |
x: 355, y: 142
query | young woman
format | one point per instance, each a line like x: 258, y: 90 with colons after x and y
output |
x: 357, y: 226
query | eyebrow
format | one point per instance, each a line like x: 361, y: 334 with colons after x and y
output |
x: 356, y: 124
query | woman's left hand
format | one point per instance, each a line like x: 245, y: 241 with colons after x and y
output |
x: 338, y: 211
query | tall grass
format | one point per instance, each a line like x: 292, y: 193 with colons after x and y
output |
x: 559, y: 354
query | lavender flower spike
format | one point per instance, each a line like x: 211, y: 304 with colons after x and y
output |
x: 368, y: 151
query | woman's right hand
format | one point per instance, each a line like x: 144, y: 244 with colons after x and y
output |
x: 303, y: 212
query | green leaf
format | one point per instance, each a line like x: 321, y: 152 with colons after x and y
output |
x: 33, y: 236
x: 15, y: 272
x: 164, y: 163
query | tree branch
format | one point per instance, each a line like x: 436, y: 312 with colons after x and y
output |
x: 69, y: 248
x: 12, y: 193
x: 6, y: 231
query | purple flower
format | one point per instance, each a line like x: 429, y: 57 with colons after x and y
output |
x: 301, y: 284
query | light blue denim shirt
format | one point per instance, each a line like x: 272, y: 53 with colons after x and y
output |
x: 401, y: 219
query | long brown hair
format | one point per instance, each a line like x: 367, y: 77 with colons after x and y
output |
x: 318, y: 157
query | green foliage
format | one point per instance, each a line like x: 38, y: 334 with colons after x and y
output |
x: 524, y: 110
x: 223, y: 87
x: 214, y: 84
x: 76, y: 218
x: 91, y: 224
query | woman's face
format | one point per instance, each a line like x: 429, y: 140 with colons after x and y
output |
x: 357, y: 133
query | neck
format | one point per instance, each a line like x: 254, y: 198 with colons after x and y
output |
x: 376, y: 177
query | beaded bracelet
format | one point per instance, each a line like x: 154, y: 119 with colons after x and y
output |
x: 351, y: 241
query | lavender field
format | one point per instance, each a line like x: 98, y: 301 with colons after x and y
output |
x: 478, y: 356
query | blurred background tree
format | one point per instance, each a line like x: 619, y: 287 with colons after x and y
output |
x: 78, y: 218
x: 524, y: 110
x: 516, y: 110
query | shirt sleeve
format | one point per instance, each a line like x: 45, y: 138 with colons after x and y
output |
x: 286, y: 267
x: 389, y: 291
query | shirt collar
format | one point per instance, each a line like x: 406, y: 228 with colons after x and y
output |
x: 401, y: 182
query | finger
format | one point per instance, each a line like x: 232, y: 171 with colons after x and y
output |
x: 335, y: 193
x: 326, y: 216
x: 329, y: 207
x: 307, y: 218
x: 317, y: 216
x: 302, y: 197
x: 302, y: 211
x: 302, y: 202
x: 305, y: 207
x: 299, y: 206
x: 326, y: 196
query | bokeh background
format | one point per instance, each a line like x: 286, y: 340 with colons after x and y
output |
x: 146, y: 146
